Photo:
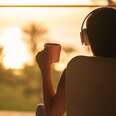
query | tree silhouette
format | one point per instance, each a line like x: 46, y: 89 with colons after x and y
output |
x: 110, y: 2
x: 1, y: 55
x: 34, y: 32
x: 69, y: 49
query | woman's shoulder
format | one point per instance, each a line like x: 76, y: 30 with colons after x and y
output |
x: 79, y: 59
x: 85, y: 60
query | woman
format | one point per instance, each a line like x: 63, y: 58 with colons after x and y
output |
x: 100, y: 35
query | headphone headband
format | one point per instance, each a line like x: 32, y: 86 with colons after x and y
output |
x: 92, y: 12
x: 83, y: 32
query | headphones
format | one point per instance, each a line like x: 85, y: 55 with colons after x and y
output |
x: 83, y: 33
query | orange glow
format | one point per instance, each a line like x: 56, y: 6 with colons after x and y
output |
x: 57, y: 21
x: 45, y: 2
x: 63, y: 27
x: 15, y: 54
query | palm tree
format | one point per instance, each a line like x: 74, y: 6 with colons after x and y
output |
x: 1, y: 55
x: 69, y: 49
x: 34, y: 32
x: 110, y: 2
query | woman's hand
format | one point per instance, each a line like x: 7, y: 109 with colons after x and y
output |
x: 54, y: 102
x: 43, y: 59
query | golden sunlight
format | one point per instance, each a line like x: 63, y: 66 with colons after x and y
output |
x: 57, y: 20
x: 15, y: 54
x: 45, y: 2
x: 68, y: 2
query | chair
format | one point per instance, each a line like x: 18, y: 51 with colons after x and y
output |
x: 91, y: 86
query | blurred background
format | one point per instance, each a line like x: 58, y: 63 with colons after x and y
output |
x: 23, y: 33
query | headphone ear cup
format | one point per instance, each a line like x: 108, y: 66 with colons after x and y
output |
x: 84, y: 37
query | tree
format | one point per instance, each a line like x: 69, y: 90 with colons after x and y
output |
x: 110, y: 2
x: 69, y: 49
x: 1, y: 55
x: 34, y: 32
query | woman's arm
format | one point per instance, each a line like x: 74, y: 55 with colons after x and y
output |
x: 54, y: 102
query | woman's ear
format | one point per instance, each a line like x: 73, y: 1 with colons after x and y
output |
x: 84, y: 37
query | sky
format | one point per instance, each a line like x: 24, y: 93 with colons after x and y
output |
x: 45, y: 1
x: 63, y: 27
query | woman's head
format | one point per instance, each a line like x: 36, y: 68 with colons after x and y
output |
x: 101, y: 31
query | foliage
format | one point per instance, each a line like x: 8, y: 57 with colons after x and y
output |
x: 69, y: 49
x: 23, y: 90
x: 110, y: 2
x: 34, y: 32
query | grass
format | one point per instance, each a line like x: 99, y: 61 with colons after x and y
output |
x: 13, y: 99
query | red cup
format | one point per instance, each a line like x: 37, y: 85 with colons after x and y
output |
x: 53, y: 50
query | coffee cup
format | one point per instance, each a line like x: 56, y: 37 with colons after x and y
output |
x: 53, y: 50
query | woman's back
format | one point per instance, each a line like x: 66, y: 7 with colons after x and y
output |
x: 91, y: 86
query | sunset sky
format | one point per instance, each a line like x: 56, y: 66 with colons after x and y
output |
x: 45, y: 1
x: 63, y: 27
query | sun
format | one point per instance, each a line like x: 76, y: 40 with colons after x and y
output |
x: 14, y: 49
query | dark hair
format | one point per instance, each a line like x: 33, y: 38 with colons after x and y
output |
x: 101, y: 30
